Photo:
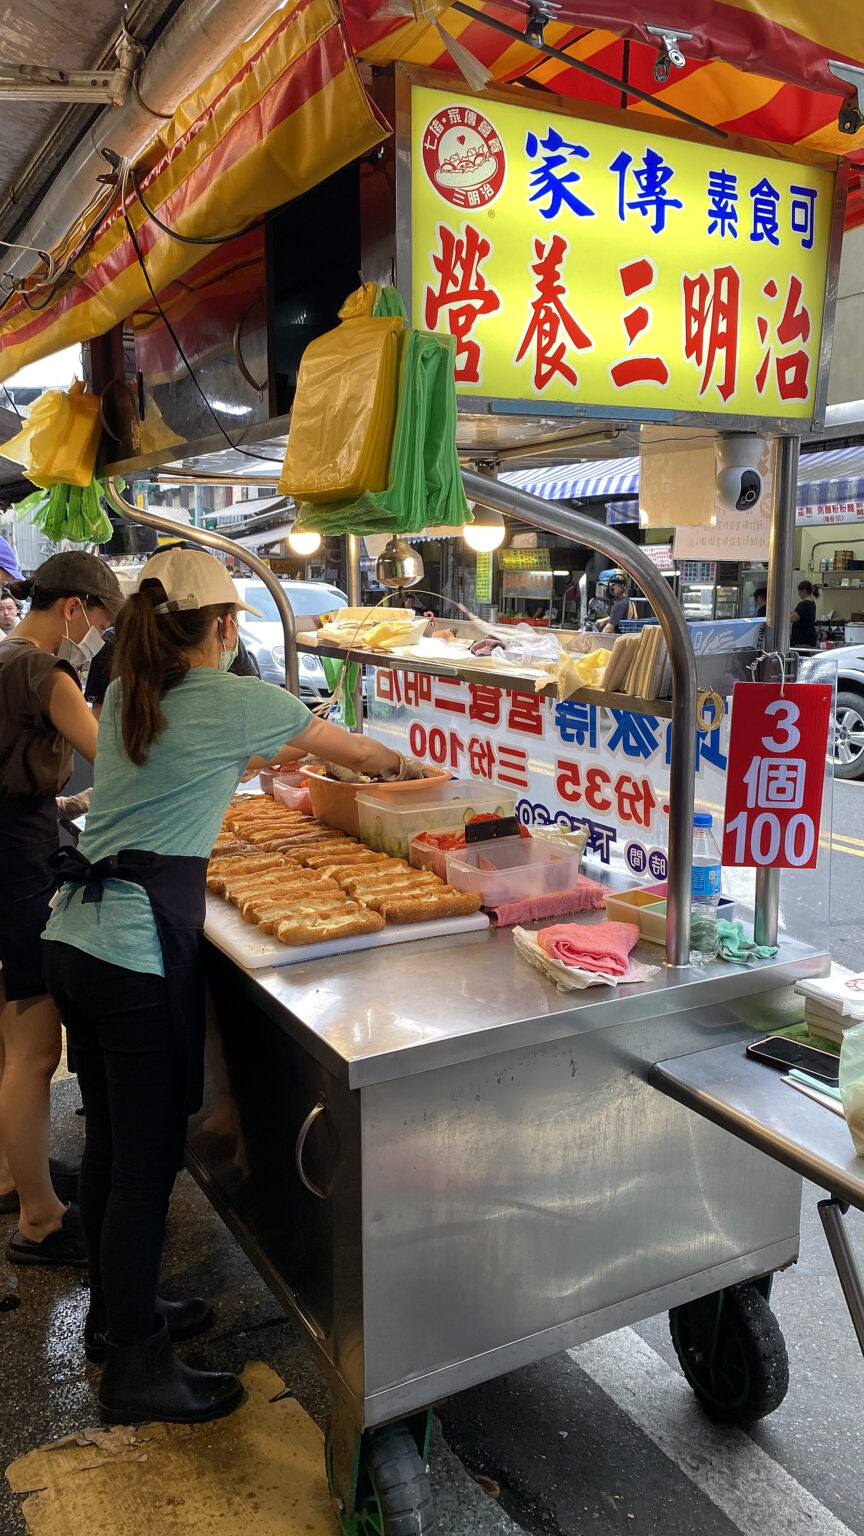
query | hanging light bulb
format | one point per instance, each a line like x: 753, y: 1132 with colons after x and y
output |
x: 486, y: 532
x: 304, y: 543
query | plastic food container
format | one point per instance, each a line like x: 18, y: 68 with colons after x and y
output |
x: 337, y: 804
x: 292, y: 790
x: 646, y: 906
x: 426, y: 806
x: 512, y: 869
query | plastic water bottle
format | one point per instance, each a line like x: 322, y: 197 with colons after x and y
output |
x: 705, y: 884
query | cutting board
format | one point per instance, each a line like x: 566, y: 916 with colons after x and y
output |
x: 245, y: 943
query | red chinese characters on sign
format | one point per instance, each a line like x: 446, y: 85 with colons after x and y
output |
x: 480, y: 756
x: 775, y: 775
x: 637, y: 277
x: 464, y: 293
x: 792, y: 364
x: 633, y: 798
x: 712, y: 322
x: 552, y: 328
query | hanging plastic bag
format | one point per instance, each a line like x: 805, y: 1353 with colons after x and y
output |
x: 60, y: 438
x: 852, y: 1083
x: 344, y: 412
x: 69, y: 512
x: 425, y: 483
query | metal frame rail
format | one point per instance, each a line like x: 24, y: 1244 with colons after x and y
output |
x: 555, y: 518
x: 211, y: 540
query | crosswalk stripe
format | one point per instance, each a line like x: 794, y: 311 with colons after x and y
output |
x: 742, y: 1480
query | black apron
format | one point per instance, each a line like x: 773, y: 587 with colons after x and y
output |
x: 28, y: 841
x: 176, y: 890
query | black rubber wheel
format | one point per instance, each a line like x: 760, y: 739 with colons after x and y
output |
x: 393, y: 1497
x: 733, y: 1354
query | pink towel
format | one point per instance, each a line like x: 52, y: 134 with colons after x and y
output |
x: 601, y: 947
x: 586, y: 896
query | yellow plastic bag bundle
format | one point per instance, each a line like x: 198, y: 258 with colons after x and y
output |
x: 344, y: 412
x: 60, y: 439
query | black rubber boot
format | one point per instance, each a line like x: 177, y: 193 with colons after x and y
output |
x: 185, y: 1320
x: 148, y: 1381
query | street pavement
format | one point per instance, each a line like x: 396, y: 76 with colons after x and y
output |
x: 604, y: 1439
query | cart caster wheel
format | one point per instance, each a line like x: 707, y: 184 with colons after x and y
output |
x: 393, y: 1497
x: 732, y: 1352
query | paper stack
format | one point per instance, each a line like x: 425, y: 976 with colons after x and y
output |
x: 832, y: 1004
x: 637, y: 664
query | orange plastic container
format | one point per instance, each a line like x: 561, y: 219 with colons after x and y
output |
x: 335, y: 803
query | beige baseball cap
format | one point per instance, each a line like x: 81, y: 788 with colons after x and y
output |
x: 192, y: 579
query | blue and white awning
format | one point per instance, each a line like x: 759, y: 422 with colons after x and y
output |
x: 830, y: 483
x: 835, y: 475
x: 569, y: 482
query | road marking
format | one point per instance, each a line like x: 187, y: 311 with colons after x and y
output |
x: 750, y: 1488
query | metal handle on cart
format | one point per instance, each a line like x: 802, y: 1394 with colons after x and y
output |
x: 315, y: 1111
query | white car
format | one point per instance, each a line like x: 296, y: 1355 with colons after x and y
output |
x: 264, y: 638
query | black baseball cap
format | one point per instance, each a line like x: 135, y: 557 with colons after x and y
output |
x: 74, y: 570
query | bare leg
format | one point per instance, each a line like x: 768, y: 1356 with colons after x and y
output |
x: 30, y: 1035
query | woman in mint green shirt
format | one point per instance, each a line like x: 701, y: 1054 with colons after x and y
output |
x: 121, y: 953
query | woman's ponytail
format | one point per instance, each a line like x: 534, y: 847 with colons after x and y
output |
x: 151, y: 657
x: 20, y: 590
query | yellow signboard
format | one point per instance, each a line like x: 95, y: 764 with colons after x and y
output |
x: 580, y: 262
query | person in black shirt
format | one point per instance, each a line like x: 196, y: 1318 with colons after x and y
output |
x: 99, y: 676
x: 760, y: 598
x: 620, y: 606
x: 804, y: 633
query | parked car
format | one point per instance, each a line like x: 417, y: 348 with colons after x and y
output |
x: 847, y: 664
x: 264, y: 636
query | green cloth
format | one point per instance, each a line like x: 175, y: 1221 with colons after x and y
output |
x: 425, y: 482
x: 734, y: 946
x: 174, y: 803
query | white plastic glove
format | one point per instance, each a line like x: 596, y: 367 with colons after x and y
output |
x: 70, y: 806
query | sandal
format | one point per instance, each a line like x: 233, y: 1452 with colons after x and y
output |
x: 65, y: 1246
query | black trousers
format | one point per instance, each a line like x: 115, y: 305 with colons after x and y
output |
x: 132, y: 1078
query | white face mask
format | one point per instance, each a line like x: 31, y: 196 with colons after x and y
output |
x: 80, y: 653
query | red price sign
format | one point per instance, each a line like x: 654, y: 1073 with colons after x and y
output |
x: 776, y: 771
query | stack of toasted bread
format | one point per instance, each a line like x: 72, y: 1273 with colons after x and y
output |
x: 306, y: 883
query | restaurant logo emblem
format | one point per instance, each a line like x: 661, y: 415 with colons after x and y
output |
x: 463, y: 157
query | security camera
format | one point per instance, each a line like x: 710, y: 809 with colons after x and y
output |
x: 739, y: 483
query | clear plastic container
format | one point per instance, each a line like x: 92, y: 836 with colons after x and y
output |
x: 389, y: 824
x: 512, y: 869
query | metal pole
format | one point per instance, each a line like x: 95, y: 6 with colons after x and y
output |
x: 781, y: 563
x: 682, y: 771
x: 353, y: 570
x: 845, y: 1262
x: 218, y: 541
x: 354, y: 601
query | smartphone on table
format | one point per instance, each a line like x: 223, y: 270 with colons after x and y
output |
x: 777, y: 1051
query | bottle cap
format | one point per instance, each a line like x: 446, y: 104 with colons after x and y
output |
x: 703, y: 819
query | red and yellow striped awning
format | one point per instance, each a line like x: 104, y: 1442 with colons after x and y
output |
x: 286, y: 110
x: 758, y: 68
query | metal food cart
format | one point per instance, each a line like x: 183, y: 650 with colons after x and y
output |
x: 445, y: 1169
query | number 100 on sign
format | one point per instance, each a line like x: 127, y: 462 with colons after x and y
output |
x: 776, y: 774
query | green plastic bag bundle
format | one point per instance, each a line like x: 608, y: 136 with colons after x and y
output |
x: 424, y: 484
x: 70, y: 512
x: 346, y: 709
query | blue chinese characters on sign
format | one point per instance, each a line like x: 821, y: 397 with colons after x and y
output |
x: 723, y: 204
x: 652, y: 180
x: 555, y: 177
